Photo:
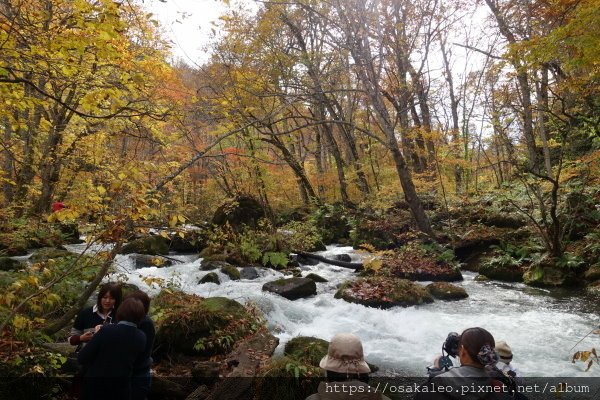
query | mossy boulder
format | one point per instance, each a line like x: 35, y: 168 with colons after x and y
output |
x: 192, y: 325
x: 383, y: 292
x: 446, y: 291
x: 208, y: 265
x: 9, y: 264
x: 316, y: 278
x: 154, y: 244
x: 192, y: 241
x: 291, y: 288
x: 414, y: 264
x: 211, y: 277
x: 505, y: 269
x: 481, y: 278
x: 146, y: 261
x: 49, y: 253
x: 547, y: 274
x: 243, y: 210
x: 594, y: 288
x: 343, y: 257
x: 309, y: 350
x: 592, y: 274
x: 232, y: 272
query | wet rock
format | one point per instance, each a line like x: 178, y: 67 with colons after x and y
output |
x: 200, y: 393
x: 594, y: 288
x: 243, y: 210
x: 248, y: 273
x: 211, y: 277
x: 446, y: 291
x: 383, y: 292
x: 146, y: 261
x: 205, y: 370
x: 502, y: 270
x: 316, y: 278
x: 547, y: 274
x: 210, y: 265
x: 305, y: 260
x: 232, y: 272
x: 49, y: 253
x: 295, y: 272
x: 592, y: 274
x: 481, y: 278
x: 70, y: 233
x: 343, y: 257
x: 153, y: 244
x: 306, y: 349
x: 9, y: 264
x: 291, y: 288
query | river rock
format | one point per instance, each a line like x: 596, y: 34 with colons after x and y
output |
x: 249, y: 273
x: 49, y: 253
x: 383, y: 292
x: 507, y: 271
x: 70, y: 233
x: 481, y: 278
x: 343, y: 257
x: 446, y: 291
x: 192, y: 325
x: 211, y: 277
x: 243, y: 210
x: 232, y: 272
x: 547, y: 274
x: 153, y: 245
x: 305, y: 260
x: 146, y: 261
x: 210, y: 265
x: 9, y: 264
x: 316, y: 278
x: 291, y: 288
x: 594, y: 288
x: 592, y: 274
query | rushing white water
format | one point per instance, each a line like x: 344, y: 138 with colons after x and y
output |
x: 540, y: 327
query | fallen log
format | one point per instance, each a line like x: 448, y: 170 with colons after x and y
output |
x: 344, y: 264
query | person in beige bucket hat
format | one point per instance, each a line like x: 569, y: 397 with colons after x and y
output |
x: 505, y: 357
x: 345, y: 364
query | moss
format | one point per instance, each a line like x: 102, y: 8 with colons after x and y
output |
x: 308, y: 350
x: 548, y: 274
x: 316, y: 278
x: 232, y: 272
x: 152, y: 245
x: 446, y: 291
x: 211, y: 277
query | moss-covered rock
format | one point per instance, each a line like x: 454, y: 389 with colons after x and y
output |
x: 592, y: 274
x: 9, y: 264
x: 243, y: 210
x: 291, y: 288
x: 309, y: 350
x: 547, y: 274
x: 481, y: 278
x: 316, y: 278
x: 49, y: 253
x: 413, y: 263
x: 594, y: 288
x: 446, y: 291
x: 193, y: 325
x: 502, y: 269
x: 209, y: 265
x: 383, y: 292
x: 154, y: 244
x: 146, y: 261
x: 232, y: 272
x: 211, y: 277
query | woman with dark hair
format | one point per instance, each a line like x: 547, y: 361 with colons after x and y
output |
x: 475, y: 379
x: 90, y: 319
x: 109, y: 357
x: 142, y: 377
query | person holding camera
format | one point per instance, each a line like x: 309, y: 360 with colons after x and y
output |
x: 477, y: 378
x: 110, y: 356
x: 90, y: 319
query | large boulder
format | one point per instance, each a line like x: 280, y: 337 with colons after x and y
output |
x: 153, y: 244
x: 249, y: 273
x: 383, y: 292
x: 592, y: 274
x: 9, y: 264
x: 210, y: 265
x: 48, y: 253
x: 243, y: 210
x: 547, y: 274
x: 300, y: 259
x: 446, y: 291
x: 211, y: 277
x: 193, y: 325
x: 504, y: 269
x: 232, y: 272
x: 316, y: 278
x: 146, y: 261
x: 291, y: 288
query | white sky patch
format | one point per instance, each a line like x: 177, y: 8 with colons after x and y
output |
x: 187, y: 24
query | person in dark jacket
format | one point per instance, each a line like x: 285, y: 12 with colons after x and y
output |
x: 90, y: 319
x: 475, y: 378
x: 111, y: 354
x: 142, y: 376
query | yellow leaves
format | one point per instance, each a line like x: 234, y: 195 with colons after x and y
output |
x: 101, y: 190
x: 175, y: 219
x: 373, y: 263
x: 20, y: 323
x: 589, y: 356
x: 152, y: 280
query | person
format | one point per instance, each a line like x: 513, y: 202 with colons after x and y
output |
x: 111, y: 354
x: 505, y: 357
x: 346, y: 371
x: 90, y: 319
x: 142, y: 376
x: 477, y: 372
x: 57, y: 206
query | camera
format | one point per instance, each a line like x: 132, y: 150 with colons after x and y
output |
x: 449, y: 349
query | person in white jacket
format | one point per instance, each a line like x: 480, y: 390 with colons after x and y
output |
x: 505, y: 357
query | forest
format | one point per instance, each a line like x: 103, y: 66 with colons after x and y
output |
x: 430, y: 141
